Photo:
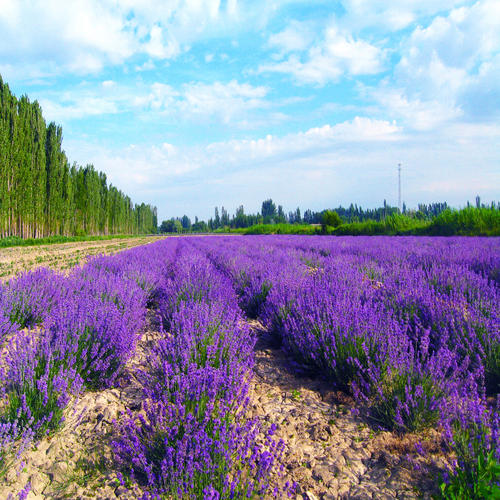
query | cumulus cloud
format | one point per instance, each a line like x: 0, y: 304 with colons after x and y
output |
x: 296, y: 36
x: 80, y: 36
x: 392, y: 16
x: 107, y: 97
x: 83, y: 107
x: 217, y: 101
x: 414, y: 113
x: 230, y: 102
x: 51, y: 37
x: 319, y: 167
x: 337, y: 54
x: 446, y: 71
x: 83, y: 36
x: 444, y: 58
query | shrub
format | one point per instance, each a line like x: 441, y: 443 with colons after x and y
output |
x: 28, y: 299
x: 36, y: 384
x: 93, y: 337
x: 330, y: 218
x: 474, y: 438
x: 408, y: 401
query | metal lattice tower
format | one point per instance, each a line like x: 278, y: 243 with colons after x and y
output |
x: 399, y: 187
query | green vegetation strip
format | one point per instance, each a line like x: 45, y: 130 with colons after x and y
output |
x: 468, y: 221
x: 15, y: 241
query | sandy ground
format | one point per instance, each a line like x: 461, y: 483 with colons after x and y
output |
x: 329, y: 453
x: 64, y: 256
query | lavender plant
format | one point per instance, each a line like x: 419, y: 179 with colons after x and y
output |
x: 28, y: 299
x: 92, y: 337
x: 192, y: 439
x: 473, y: 436
x: 36, y: 384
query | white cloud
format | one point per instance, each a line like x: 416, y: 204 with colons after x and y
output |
x: 86, y: 100
x: 414, y: 113
x: 80, y: 36
x: 83, y: 107
x: 392, y: 16
x: 295, y: 37
x: 83, y: 36
x: 337, y: 54
x: 146, y: 66
x: 358, y: 130
x: 447, y: 71
x: 228, y: 102
x: 160, y: 45
x: 161, y: 97
x: 441, y: 60
x: 321, y: 167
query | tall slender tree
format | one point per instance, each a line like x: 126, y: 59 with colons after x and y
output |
x: 41, y: 195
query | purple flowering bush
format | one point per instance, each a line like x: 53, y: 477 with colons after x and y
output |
x: 91, y: 336
x: 36, y: 385
x: 192, y: 278
x: 14, y: 440
x: 28, y: 299
x: 128, y: 298
x: 5, y: 323
x: 145, y: 266
x: 192, y: 439
x: 473, y: 435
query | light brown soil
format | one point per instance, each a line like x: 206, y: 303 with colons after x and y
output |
x: 329, y: 452
x: 63, y: 256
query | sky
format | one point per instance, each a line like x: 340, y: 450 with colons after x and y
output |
x: 192, y: 104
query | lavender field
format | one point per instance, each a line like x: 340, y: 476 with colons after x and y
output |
x: 165, y: 338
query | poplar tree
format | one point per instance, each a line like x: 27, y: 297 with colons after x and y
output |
x: 41, y: 195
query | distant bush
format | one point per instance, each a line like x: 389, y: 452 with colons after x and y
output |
x: 470, y: 221
x: 281, y: 229
x: 331, y: 219
x: 395, y: 224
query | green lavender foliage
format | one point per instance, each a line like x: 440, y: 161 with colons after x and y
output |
x: 477, y: 474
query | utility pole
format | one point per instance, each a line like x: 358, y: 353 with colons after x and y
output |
x: 399, y: 187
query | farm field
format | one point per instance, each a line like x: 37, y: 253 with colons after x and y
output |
x: 255, y: 367
x: 62, y: 257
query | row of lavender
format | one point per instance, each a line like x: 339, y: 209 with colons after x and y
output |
x: 62, y: 335
x: 410, y: 327
x: 193, y: 439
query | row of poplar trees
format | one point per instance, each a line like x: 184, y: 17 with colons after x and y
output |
x: 42, y: 195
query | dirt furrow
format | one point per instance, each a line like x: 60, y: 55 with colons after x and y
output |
x: 331, y: 453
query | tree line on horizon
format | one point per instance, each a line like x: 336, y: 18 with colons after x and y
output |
x: 41, y: 194
x: 274, y: 214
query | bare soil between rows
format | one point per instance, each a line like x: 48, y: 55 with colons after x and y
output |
x: 329, y: 452
x: 62, y: 256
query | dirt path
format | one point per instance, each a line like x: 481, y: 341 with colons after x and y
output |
x: 330, y: 453
x: 63, y: 256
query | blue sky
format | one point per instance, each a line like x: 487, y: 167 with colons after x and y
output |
x: 189, y: 104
